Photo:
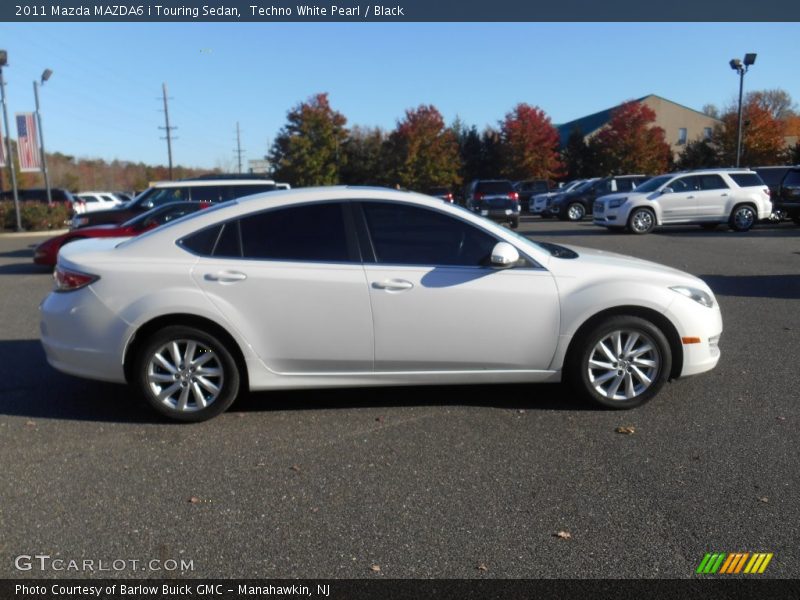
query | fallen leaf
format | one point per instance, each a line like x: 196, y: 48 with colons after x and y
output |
x: 521, y: 411
x: 30, y: 424
x: 564, y: 535
x: 375, y: 568
x: 194, y: 500
x: 295, y: 468
x: 781, y: 418
x: 379, y: 419
x: 626, y: 429
x: 764, y: 499
x: 482, y: 567
x: 314, y: 509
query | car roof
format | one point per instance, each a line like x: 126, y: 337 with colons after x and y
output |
x: 210, y: 182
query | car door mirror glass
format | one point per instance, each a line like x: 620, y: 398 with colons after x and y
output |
x: 504, y: 255
x: 667, y: 190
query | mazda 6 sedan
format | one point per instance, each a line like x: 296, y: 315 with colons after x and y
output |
x: 344, y: 287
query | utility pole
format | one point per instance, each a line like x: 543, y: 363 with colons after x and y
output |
x: 167, y: 127
x: 45, y: 76
x: 238, y: 150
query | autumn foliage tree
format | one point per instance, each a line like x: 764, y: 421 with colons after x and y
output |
x: 421, y: 152
x: 309, y: 148
x: 762, y: 135
x: 529, y: 144
x: 630, y: 143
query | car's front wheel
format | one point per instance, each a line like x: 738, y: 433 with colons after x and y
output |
x: 576, y: 211
x: 186, y: 374
x: 642, y: 220
x: 621, y: 362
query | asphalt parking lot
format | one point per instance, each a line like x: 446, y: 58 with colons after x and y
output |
x: 451, y: 482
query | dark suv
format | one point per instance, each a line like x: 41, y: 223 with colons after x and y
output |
x: 786, y: 201
x: 495, y: 199
x: 194, y: 190
x: 40, y: 195
x: 575, y: 205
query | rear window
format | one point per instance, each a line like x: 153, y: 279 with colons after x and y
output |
x: 772, y: 175
x: 747, y: 179
x: 494, y: 187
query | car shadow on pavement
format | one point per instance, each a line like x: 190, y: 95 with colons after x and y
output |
x: 27, y: 253
x: 33, y: 389
x: 27, y: 268
x: 785, y: 287
x: 768, y: 230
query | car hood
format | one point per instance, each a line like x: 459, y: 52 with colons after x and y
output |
x: 620, y: 266
x: 614, y: 196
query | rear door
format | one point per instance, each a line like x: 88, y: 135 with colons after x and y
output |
x: 713, y: 198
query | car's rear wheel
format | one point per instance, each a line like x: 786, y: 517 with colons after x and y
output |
x: 743, y: 217
x: 642, y: 220
x: 186, y: 374
x: 576, y: 211
x: 621, y: 362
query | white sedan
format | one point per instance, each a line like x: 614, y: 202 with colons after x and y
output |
x: 343, y: 286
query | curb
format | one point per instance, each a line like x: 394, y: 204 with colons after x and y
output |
x: 25, y: 234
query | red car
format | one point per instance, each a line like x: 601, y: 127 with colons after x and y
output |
x: 46, y: 253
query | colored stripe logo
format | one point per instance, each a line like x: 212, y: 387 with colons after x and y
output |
x: 733, y: 563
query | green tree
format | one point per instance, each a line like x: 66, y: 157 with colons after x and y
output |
x: 364, y: 157
x: 629, y: 143
x: 309, y: 148
x: 698, y: 154
x: 422, y: 152
x: 529, y: 144
x: 469, y: 150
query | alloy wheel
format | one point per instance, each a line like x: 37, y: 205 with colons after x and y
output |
x: 623, y: 364
x: 185, y: 375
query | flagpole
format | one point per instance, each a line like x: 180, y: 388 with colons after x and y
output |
x: 9, y: 156
x: 41, y: 141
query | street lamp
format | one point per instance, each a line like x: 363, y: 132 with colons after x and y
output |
x: 45, y: 76
x: 9, y: 158
x: 741, y: 68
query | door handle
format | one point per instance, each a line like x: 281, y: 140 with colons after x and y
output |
x: 225, y: 276
x: 724, y: 195
x: 392, y: 285
x: 689, y: 197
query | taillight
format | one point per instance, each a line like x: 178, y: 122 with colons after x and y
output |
x: 478, y: 196
x: 69, y: 281
x: 514, y: 196
x: 449, y: 197
x: 768, y: 192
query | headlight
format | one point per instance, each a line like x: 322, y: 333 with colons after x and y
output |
x: 695, y: 294
x: 616, y: 203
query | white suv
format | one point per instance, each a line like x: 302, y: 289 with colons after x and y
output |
x: 708, y: 197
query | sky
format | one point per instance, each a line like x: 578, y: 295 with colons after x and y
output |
x: 104, y: 97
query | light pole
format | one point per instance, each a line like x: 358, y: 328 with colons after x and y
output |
x: 9, y: 157
x: 45, y: 76
x: 741, y: 68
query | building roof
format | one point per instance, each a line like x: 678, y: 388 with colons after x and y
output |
x: 591, y: 123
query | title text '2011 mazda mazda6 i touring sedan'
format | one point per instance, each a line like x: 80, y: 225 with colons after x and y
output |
x: 324, y: 287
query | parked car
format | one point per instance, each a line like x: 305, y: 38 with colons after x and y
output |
x: 708, y: 197
x: 772, y: 177
x: 575, y: 205
x: 94, y: 201
x: 443, y: 193
x: 46, y: 253
x: 40, y: 195
x: 537, y: 204
x: 529, y: 188
x: 346, y: 286
x: 494, y: 199
x: 195, y: 190
x: 786, y: 199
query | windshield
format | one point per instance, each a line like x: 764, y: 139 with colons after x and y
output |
x: 583, y: 186
x: 653, y: 184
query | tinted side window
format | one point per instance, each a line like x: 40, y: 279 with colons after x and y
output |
x: 683, y: 184
x: 410, y: 235
x: 712, y: 182
x: 747, y: 180
x: 624, y: 185
x: 792, y: 179
x: 202, y: 242
x: 311, y: 232
x: 207, y: 193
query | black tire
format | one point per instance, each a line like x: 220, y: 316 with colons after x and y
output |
x: 589, y: 382
x: 796, y: 219
x: 198, y: 381
x: 515, y: 224
x: 641, y: 221
x: 743, y: 217
x: 709, y: 226
x: 575, y: 212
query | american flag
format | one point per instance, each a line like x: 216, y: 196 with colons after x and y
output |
x: 28, y: 143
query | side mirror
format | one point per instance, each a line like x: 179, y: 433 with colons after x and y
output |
x: 504, y: 255
x: 667, y: 190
